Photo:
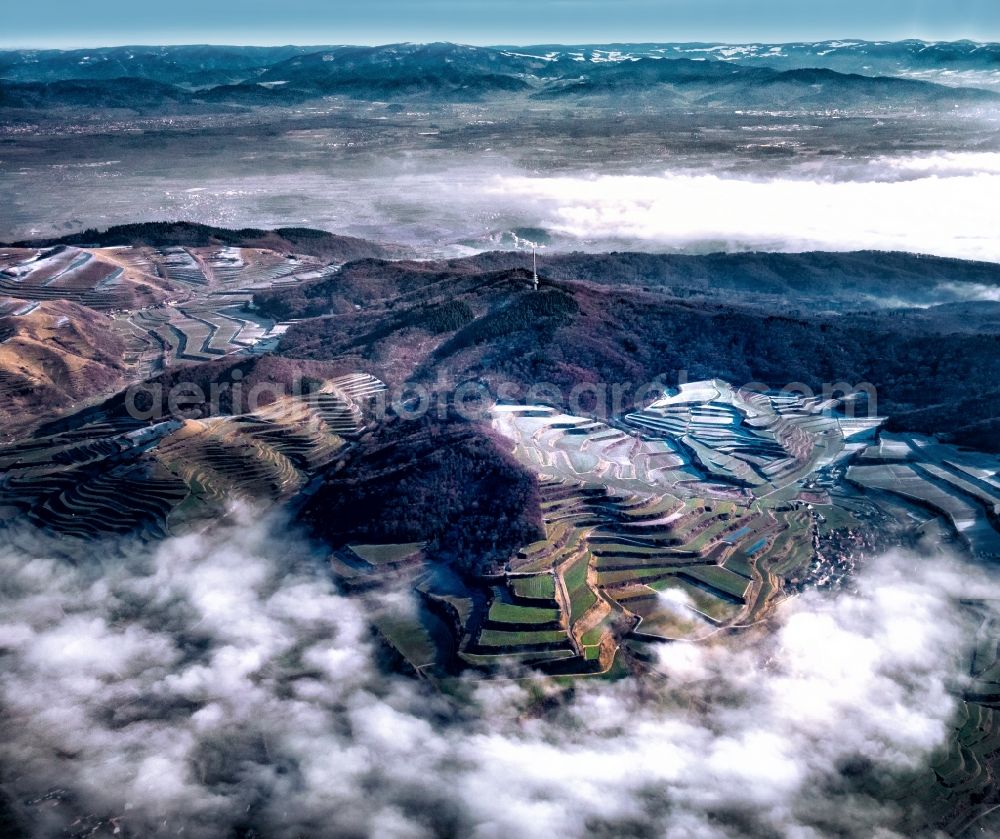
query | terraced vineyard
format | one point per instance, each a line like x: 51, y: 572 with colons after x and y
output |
x: 964, y: 487
x: 116, y: 474
x: 52, y: 354
x: 760, y: 441
x: 963, y: 769
x: 692, y: 516
x: 689, y: 518
x: 703, y: 510
x: 169, y: 304
x: 570, y: 447
x: 91, y: 278
x: 612, y: 567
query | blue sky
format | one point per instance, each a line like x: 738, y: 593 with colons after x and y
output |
x: 67, y: 23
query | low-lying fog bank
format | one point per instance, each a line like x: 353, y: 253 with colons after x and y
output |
x: 219, y: 683
x: 941, y: 203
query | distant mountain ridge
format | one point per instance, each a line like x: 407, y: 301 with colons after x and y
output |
x: 833, y: 74
x: 845, y: 55
x: 208, y: 65
x: 192, y: 66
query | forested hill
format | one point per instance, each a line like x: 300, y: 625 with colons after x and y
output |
x: 450, y: 322
x: 817, y: 280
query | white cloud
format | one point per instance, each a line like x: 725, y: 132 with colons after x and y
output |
x: 944, y: 164
x: 972, y: 291
x: 941, y: 203
x: 219, y: 681
x: 943, y: 206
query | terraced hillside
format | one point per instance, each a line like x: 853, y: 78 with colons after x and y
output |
x: 127, y: 312
x: 959, y: 787
x: 561, y: 445
x: 961, y: 486
x: 690, y: 518
x: 760, y: 441
x: 114, y: 474
x: 556, y: 542
x: 169, y: 303
x: 101, y: 279
x: 704, y: 509
x: 678, y: 519
x: 206, y: 315
x: 646, y: 566
x: 704, y: 438
x: 53, y: 354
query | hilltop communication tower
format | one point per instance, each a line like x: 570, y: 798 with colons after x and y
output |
x: 534, y: 269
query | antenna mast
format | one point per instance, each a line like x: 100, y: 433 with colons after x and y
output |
x: 534, y: 268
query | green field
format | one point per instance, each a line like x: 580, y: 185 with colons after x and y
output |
x: 498, y: 638
x: 638, y: 575
x: 593, y: 635
x: 410, y: 637
x: 671, y: 625
x: 791, y: 550
x: 540, y: 587
x: 707, y: 536
x: 719, y: 578
x: 385, y: 554
x: 581, y: 598
x: 500, y: 657
x: 462, y: 605
x: 703, y: 602
x: 509, y: 613
x: 837, y: 518
x: 739, y: 564
x: 657, y: 559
